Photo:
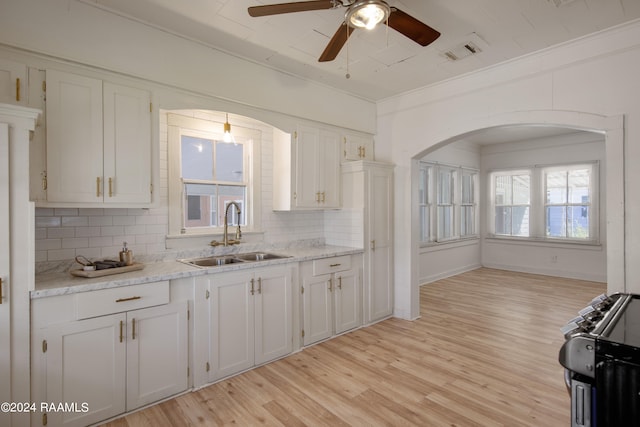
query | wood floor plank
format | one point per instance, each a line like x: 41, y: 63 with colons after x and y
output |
x: 483, y: 353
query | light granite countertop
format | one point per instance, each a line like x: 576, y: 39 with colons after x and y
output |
x: 62, y: 283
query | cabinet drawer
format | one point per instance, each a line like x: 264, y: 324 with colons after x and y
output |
x: 125, y: 298
x: 330, y: 265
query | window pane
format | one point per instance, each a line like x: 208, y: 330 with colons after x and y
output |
x: 424, y: 224
x: 467, y: 223
x: 445, y: 181
x: 232, y: 193
x: 579, y: 186
x: 423, y: 186
x: 520, y: 221
x: 521, y: 189
x: 556, y: 221
x: 503, y: 190
x: 467, y: 188
x: 197, y: 158
x: 503, y: 220
x: 556, y: 187
x: 445, y: 222
x: 229, y: 162
x: 199, y: 210
x: 578, y: 218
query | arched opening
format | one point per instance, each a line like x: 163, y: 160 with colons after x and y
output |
x: 613, y: 193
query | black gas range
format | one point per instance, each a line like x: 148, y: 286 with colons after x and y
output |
x: 601, y: 356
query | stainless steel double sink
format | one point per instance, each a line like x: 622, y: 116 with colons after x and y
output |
x: 221, y: 260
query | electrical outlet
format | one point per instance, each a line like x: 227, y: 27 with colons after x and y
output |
x: 554, y: 259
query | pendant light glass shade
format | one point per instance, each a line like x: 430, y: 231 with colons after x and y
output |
x: 227, y: 136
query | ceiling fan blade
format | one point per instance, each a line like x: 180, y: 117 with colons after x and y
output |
x: 336, y: 43
x: 300, y: 6
x: 412, y: 28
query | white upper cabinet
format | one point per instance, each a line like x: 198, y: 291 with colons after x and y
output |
x: 98, y: 149
x: 13, y: 82
x: 357, y: 147
x: 307, y: 170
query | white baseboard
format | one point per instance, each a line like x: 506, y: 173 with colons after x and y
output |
x: 580, y: 275
x: 444, y: 274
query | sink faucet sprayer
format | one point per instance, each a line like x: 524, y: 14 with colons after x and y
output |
x: 225, y: 237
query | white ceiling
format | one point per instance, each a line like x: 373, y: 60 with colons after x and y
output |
x: 381, y: 62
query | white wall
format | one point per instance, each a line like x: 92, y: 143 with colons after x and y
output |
x: 587, y: 262
x: 586, y: 84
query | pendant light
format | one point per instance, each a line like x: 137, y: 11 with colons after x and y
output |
x: 228, y: 136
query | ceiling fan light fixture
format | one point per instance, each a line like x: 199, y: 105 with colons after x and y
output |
x: 367, y: 13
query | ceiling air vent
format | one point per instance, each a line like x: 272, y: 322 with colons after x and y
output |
x: 462, y: 51
x: 472, y: 45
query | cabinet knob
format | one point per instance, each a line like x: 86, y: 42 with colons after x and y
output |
x: 98, y: 187
x: 1, y: 297
x: 18, y: 90
x: 259, y: 285
x: 340, y: 282
x: 110, y: 187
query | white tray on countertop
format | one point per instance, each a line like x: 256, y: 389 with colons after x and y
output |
x: 107, y: 271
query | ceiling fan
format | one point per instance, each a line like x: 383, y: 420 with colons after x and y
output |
x: 359, y: 14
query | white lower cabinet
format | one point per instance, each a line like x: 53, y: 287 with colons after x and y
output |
x: 249, y: 314
x: 331, y: 295
x: 106, y: 365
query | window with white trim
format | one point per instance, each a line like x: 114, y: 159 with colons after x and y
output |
x: 546, y: 203
x: 447, y: 202
x: 206, y: 174
x: 512, y: 203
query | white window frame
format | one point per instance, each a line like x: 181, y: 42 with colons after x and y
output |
x: 210, y: 128
x: 431, y: 203
x: 492, y: 202
x: 537, y: 206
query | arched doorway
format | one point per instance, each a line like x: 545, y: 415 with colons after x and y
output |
x: 613, y: 130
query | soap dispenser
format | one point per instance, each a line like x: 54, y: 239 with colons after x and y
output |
x: 126, y: 256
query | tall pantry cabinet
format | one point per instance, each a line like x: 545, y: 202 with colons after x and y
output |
x: 368, y: 185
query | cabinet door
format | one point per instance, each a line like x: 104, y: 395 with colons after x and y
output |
x: 329, y: 185
x: 156, y: 353
x: 317, y: 306
x: 127, y: 144
x: 232, y: 324
x: 273, y: 318
x: 380, y: 249
x: 85, y: 363
x: 357, y: 148
x: 307, y: 191
x: 347, y: 301
x: 74, y: 138
x: 13, y: 82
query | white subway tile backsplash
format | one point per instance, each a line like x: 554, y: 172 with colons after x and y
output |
x: 100, y: 221
x: 75, y: 243
x: 124, y: 220
x: 87, y: 231
x: 115, y: 230
x: 47, y: 221
x: 91, y: 211
x: 74, y: 221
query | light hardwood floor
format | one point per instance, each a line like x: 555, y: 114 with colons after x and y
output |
x: 484, y: 353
